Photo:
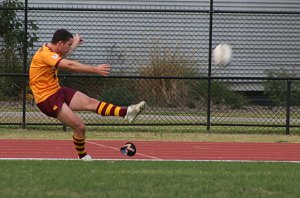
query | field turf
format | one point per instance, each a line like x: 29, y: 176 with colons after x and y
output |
x: 148, y: 179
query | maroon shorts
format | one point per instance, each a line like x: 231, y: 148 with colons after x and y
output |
x: 52, y: 105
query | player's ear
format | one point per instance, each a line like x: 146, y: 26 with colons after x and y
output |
x: 60, y: 43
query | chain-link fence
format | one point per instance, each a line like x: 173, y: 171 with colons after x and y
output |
x: 163, y: 55
x: 171, y: 101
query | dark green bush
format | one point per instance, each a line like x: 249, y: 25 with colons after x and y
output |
x: 12, y: 42
x: 220, y: 94
x: 276, y: 90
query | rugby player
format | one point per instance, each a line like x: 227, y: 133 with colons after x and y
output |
x: 61, y: 102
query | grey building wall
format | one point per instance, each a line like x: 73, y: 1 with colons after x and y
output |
x: 261, y: 42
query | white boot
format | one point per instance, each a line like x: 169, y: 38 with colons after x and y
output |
x: 87, y: 158
x: 134, y: 110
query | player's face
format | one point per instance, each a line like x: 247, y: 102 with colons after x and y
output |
x: 65, y: 47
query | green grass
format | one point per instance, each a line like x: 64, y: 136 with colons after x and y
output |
x: 148, y: 179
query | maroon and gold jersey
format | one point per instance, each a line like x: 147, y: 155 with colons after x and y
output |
x: 43, y: 70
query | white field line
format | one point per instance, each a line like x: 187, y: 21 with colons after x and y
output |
x: 114, y: 148
x: 149, y: 160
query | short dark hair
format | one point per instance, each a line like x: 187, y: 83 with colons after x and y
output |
x: 61, y: 35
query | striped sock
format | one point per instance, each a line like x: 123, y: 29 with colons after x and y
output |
x: 107, y: 109
x: 79, y: 145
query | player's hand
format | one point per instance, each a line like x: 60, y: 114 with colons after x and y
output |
x: 103, y: 69
x: 77, y: 40
x: 75, y: 43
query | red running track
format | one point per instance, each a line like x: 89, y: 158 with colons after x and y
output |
x: 152, y: 150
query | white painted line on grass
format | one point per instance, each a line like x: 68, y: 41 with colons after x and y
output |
x: 148, y: 160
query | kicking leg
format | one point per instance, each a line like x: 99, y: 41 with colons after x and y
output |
x: 82, y: 102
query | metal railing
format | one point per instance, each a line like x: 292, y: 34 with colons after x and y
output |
x: 171, y: 101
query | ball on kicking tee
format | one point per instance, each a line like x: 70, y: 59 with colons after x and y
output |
x: 222, y: 54
x: 128, y: 149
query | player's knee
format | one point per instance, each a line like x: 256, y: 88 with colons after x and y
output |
x: 92, y: 103
x: 80, y: 129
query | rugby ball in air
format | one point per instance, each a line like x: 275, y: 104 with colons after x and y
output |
x: 222, y: 54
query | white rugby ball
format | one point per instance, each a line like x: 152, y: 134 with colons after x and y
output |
x: 222, y: 54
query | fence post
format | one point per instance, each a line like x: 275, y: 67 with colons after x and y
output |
x: 209, y: 64
x: 25, y: 45
x: 288, y: 107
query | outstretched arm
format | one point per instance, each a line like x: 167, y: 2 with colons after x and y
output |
x: 75, y: 66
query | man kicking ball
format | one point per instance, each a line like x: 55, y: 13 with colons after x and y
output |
x: 61, y: 102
